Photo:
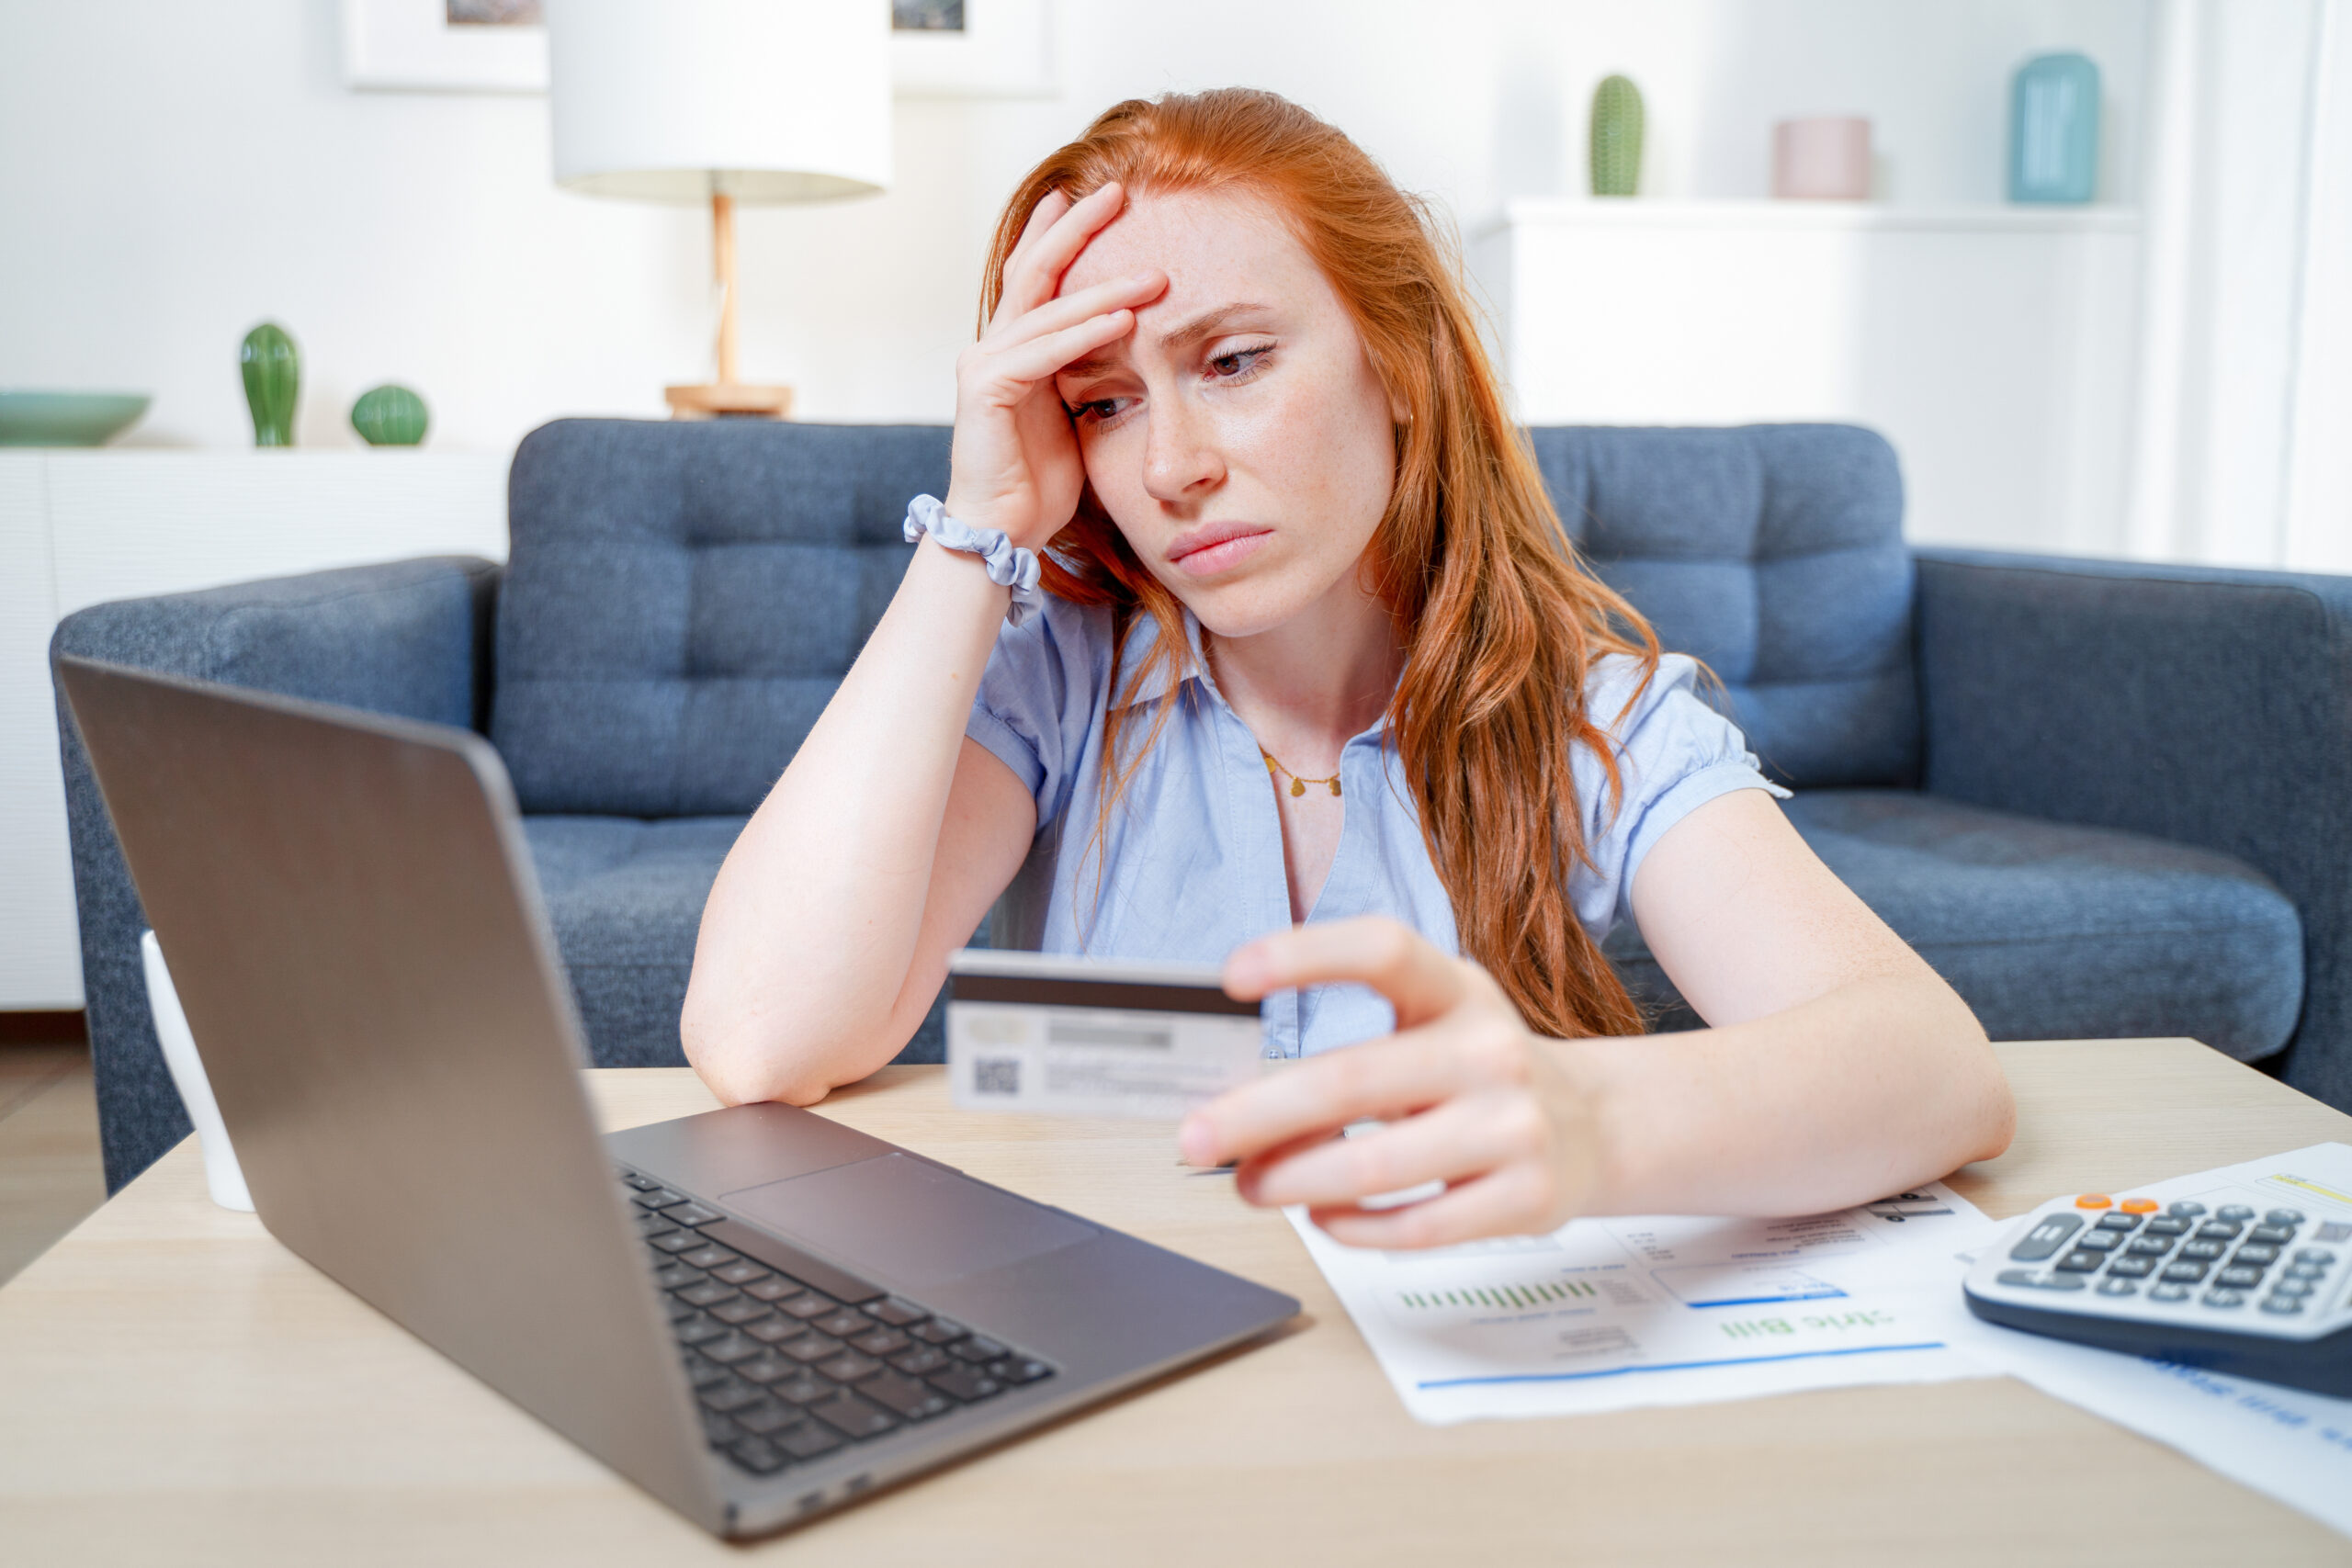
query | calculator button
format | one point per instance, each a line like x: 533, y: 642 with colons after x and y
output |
x: 2261, y: 1255
x: 2028, y: 1278
x: 2082, y: 1262
x: 2138, y: 1205
x: 2283, y: 1306
x: 2214, y: 1230
x: 2184, y: 1273
x: 2048, y: 1235
x: 2151, y: 1245
x: 2094, y: 1201
x: 2239, y: 1279
x: 2117, y: 1288
x: 2131, y: 1267
x: 2184, y: 1210
x: 2205, y: 1251
x: 2292, y: 1285
x: 2287, y: 1217
x: 2119, y: 1221
x: 2271, y: 1234
x: 2306, y: 1272
x: 2167, y: 1293
x: 2166, y: 1227
x: 2224, y: 1297
x: 2098, y: 1241
x: 2315, y: 1255
x: 2233, y: 1212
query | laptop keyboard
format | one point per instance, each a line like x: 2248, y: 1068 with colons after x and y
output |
x: 792, y: 1358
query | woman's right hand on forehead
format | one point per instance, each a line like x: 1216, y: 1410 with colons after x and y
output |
x: 1016, y: 464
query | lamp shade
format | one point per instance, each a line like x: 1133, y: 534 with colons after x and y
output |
x: 680, y: 100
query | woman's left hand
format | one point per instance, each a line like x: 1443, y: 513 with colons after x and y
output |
x: 1475, y: 1100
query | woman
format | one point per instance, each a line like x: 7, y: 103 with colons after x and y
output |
x: 1315, y: 686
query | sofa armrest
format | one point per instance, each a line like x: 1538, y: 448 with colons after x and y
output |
x: 409, y: 637
x: 2205, y: 705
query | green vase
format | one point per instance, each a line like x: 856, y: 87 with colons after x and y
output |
x: 273, y: 367
x: 1616, y: 137
x: 388, y: 415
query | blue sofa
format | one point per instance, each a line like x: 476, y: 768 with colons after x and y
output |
x: 2101, y: 799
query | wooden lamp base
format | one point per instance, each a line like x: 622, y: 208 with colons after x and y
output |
x: 729, y: 400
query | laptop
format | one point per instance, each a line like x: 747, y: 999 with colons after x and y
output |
x: 756, y: 1314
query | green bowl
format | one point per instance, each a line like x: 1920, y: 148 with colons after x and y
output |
x: 67, y: 419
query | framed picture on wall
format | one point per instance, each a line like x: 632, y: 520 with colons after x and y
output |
x: 445, y: 46
x: 939, y: 49
x: 972, y: 48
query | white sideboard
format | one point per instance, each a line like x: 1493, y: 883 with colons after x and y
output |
x: 1997, y: 347
x: 77, y: 528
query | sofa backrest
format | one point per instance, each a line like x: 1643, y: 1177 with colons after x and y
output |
x: 1775, y: 553
x: 680, y: 600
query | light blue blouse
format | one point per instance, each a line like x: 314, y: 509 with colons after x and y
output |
x: 1189, y: 865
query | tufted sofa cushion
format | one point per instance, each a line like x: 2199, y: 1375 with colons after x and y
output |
x: 681, y: 601
x: 1775, y: 554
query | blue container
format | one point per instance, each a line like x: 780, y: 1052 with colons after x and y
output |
x: 2053, y: 129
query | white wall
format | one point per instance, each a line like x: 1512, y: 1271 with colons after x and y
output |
x: 171, y: 173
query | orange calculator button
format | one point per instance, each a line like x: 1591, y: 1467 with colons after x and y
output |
x: 2094, y: 1201
x: 2138, y: 1205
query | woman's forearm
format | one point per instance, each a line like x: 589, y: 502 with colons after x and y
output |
x: 808, y: 939
x: 1875, y: 1087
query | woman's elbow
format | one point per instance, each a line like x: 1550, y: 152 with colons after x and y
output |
x: 743, y: 1059
x: 740, y: 1072
x: 730, y: 1052
x: 1991, y: 1122
x: 1997, y: 1119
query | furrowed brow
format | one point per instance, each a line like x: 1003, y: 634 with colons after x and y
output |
x: 1080, y: 369
x: 1208, y: 322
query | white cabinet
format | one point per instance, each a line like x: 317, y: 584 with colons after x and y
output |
x: 1997, y: 347
x: 77, y: 528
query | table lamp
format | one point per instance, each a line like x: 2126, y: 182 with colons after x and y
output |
x: 722, y: 101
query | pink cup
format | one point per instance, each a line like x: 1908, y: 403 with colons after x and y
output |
x: 1824, y: 159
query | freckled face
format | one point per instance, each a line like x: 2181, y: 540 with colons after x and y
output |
x: 1238, y: 435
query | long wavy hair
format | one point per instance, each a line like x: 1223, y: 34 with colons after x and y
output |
x: 1500, y: 620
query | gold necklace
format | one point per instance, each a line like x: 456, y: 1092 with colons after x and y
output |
x: 1297, y: 786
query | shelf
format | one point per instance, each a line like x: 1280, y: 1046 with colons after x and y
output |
x: 1636, y: 212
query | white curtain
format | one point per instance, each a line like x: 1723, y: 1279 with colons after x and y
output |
x: 2242, y: 449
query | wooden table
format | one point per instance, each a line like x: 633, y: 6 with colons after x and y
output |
x: 177, y: 1388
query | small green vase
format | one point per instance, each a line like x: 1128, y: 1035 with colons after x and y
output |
x: 388, y: 415
x: 1616, y: 137
x: 273, y: 367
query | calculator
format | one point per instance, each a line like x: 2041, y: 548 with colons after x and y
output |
x: 2229, y: 1280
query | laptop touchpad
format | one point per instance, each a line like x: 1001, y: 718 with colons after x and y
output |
x: 915, y: 1222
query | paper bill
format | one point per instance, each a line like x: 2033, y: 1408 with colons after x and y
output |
x: 1047, y: 1033
x: 1610, y: 1314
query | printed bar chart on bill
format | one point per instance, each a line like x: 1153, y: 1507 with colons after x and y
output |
x: 1607, y: 1314
x: 1502, y: 1294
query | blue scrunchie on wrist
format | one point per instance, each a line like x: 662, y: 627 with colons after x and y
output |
x: 1009, y: 565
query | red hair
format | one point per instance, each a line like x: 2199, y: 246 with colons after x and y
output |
x: 1501, y: 621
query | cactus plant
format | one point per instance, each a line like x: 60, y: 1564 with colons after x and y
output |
x: 1616, y: 137
x: 273, y: 367
x: 388, y: 415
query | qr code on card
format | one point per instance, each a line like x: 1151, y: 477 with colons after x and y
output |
x: 996, y: 1074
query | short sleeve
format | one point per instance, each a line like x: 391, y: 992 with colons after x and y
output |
x: 1675, y: 753
x: 1038, y: 697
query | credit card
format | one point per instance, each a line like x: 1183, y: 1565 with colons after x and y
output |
x: 1050, y: 1033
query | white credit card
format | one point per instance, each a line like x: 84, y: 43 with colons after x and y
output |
x: 1046, y: 1032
